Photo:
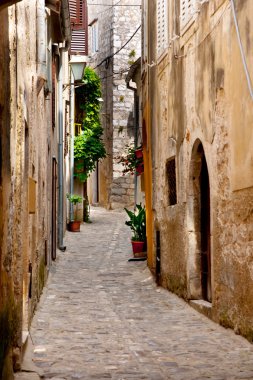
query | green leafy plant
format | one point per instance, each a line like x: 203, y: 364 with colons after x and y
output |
x: 88, y: 146
x: 137, y: 222
x: 121, y: 129
x: 131, y: 56
x: 86, y: 211
x: 129, y: 161
x: 75, y: 199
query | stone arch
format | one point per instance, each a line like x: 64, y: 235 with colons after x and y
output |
x: 198, y: 220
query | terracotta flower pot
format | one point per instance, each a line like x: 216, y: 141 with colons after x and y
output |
x: 138, y: 153
x: 140, y: 169
x: 74, y: 226
x: 137, y: 246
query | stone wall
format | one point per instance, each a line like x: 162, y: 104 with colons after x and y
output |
x: 204, y: 112
x: 116, y: 24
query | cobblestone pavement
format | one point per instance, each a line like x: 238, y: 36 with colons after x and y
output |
x: 102, y: 317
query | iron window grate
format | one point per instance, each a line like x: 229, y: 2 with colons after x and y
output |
x: 172, y: 182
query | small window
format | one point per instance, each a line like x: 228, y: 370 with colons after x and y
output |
x: 172, y: 182
x: 158, y: 257
x: 94, y: 37
x: 1, y: 160
x: 78, y: 129
x: 162, y: 26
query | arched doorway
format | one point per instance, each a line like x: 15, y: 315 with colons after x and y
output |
x: 199, y: 254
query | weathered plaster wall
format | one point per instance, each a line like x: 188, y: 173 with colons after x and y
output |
x: 6, y: 281
x: 202, y: 94
x: 116, y: 24
x: 25, y: 153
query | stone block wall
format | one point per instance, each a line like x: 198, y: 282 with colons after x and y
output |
x: 116, y: 25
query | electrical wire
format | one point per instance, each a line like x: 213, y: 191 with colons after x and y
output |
x: 245, y: 66
x: 208, y: 35
x: 107, y: 59
x: 110, y: 7
x: 116, y: 5
x: 115, y: 73
x: 242, y: 50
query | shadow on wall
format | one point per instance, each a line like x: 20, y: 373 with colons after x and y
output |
x: 130, y: 125
x: 9, y: 313
x: 122, y: 192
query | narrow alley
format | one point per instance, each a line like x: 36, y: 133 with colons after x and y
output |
x: 102, y: 317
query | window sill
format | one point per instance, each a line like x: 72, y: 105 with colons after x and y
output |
x: 188, y: 31
x: 215, y: 5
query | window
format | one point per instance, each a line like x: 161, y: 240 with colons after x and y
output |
x: 94, y: 36
x: 77, y: 10
x: 162, y: 26
x: 78, y: 129
x: 54, y: 65
x: 158, y: 257
x: 172, y: 182
x: 78, y: 17
x: 187, y: 10
x: 1, y: 162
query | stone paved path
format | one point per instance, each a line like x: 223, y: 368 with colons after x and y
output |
x: 102, y: 317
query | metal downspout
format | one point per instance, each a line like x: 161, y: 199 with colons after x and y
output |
x: 41, y: 42
x: 60, y: 157
x: 66, y: 24
x: 72, y: 137
x: 135, y: 139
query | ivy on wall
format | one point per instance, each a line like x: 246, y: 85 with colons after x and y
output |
x: 88, y: 146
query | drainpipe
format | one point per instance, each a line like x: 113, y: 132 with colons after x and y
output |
x: 41, y: 39
x: 72, y: 136
x: 66, y: 30
x: 60, y: 157
x: 135, y: 138
x: 66, y: 24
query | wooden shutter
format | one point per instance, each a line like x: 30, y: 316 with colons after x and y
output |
x: 76, y: 8
x: 79, y: 22
x: 186, y: 11
x: 162, y: 26
x: 53, y: 91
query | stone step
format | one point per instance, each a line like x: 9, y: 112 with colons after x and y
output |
x: 202, y: 306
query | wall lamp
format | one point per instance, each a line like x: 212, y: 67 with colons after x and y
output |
x: 77, y: 64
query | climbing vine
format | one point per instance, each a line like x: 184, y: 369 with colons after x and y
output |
x: 88, y: 146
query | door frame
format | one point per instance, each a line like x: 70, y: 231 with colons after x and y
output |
x: 199, y: 260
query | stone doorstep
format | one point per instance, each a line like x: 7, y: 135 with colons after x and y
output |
x: 25, y: 335
x: 29, y: 371
x: 203, y: 307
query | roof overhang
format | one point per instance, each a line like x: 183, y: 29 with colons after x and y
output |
x: 61, y: 20
x: 7, y: 3
x: 54, y: 5
x: 133, y: 70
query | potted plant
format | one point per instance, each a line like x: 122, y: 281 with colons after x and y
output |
x: 132, y: 161
x: 139, y: 152
x: 137, y: 223
x: 74, y: 225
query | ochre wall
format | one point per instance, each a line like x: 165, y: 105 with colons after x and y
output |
x: 201, y: 94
